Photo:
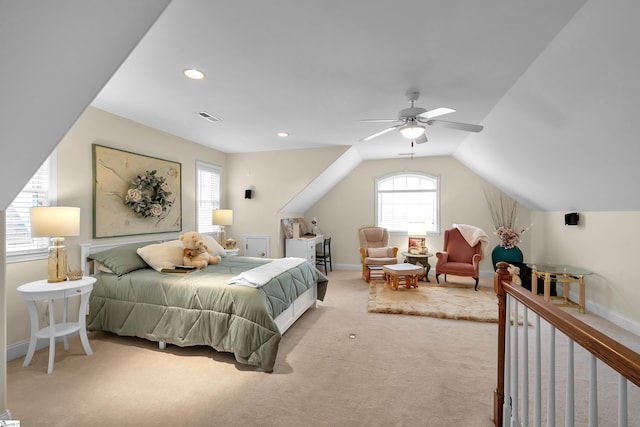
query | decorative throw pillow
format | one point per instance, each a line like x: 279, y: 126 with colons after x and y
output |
x: 162, y: 255
x: 213, y: 247
x: 378, y: 252
x: 120, y: 260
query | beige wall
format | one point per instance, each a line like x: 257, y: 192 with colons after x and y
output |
x: 277, y: 176
x: 350, y: 205
x: 75, y: 189
x: 603, y: 242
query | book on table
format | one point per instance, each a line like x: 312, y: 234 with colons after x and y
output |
x: 182, y: 269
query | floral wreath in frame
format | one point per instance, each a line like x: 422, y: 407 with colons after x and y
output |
x: 148, y: 195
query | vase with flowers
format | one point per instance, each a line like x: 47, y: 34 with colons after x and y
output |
x: 503, y: 214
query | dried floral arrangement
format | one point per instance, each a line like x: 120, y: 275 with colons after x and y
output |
x: 504, y: 211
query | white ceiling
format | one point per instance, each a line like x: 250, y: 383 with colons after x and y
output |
x: 314, y: 68
x: 553, y: 83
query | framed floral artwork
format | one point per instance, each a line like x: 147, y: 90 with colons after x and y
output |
x: 134, y: 194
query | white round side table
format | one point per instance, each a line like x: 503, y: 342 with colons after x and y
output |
x: 42, y: 290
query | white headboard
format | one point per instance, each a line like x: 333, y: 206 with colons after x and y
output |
x: 87, y: 249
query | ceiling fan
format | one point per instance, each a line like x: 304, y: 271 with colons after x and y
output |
x: 411, y: 121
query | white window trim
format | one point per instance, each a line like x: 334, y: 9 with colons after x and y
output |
x: 200, y: 165
x: 436, y: 178
x: 42, y: 253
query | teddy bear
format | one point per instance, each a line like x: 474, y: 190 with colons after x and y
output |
x: 515, y: 274
x: 196, y: 252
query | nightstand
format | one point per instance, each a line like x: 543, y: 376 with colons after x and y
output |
x: 42, y: 290
x: 232, y: 252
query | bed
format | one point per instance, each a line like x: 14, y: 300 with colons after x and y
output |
x: 131, y: 297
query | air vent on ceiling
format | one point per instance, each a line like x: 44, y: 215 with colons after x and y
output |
x: 209, y: 117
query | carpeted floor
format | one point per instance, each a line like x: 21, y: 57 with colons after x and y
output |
x: 339, y: 365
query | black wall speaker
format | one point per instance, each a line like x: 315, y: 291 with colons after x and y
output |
x: 248, y: 193
x: 571, y: 218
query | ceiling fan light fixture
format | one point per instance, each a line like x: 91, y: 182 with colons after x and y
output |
x: 194, y: 74
x: 412, y: 130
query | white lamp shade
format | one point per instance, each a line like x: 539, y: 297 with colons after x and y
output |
x: 222, y: 217
x: 55, y: 221
x: 417, y: 229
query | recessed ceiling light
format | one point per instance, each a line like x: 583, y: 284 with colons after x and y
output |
x: 282, y: 134
x: 194, y: 74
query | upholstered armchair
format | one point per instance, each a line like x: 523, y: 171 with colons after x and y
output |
x: 375, y: 250
x: 458, y: 257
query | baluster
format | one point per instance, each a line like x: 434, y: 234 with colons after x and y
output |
x: 551, y: 392
x: 622, y: 401
x: 514, y: 367
x: 593, y: 393
x: 537, y: 394
x: 570, y: 399
x: 525, y: 366
x: 506, y: 405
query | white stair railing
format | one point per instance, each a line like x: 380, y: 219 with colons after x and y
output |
x: 511, y: 397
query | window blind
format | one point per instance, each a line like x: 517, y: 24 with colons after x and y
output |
x: 207, y: 196
x: 37, y: 192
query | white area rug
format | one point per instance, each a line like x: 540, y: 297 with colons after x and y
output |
x: 450, y: 301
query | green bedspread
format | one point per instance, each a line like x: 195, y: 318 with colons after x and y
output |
x: 200, y: 308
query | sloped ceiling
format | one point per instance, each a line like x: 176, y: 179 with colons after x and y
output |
x: 55, y: 57
x: 552, y: 82
x: 564, y: 137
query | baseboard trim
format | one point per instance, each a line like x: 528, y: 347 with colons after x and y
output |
x: 604, y: 312
x: 19, y: 349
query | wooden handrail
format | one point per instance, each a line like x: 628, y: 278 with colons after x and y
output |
x: 619, y: 357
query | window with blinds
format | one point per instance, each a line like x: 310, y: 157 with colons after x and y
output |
x: 39, y: 191
x: 407, y: 198
x: 207, y: 196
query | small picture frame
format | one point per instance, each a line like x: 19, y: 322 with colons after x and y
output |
x: 417, y: 245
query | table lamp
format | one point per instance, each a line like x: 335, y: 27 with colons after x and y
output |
x: 222, y: 217
x: 56, y: 222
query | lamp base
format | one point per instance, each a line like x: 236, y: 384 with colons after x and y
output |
x: 57, y: 261
x: 221, y: 236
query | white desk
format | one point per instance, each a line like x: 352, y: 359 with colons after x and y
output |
x: 42, y: 290
x: 304, y: 247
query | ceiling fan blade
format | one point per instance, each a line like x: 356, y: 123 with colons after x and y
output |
x: 421, y: 139
x: 382, y: 132
x: 456, y: 125
x: 436, y: 112
x: 378, y: 120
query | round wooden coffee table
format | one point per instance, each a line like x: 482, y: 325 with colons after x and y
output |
x: 402, y: 274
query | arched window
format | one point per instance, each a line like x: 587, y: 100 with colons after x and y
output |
x: 408, y: 198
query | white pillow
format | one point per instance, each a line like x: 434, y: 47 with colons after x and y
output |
x: 162, y: 255
x: 213, y: 247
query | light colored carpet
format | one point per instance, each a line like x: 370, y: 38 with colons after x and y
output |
x: 397, y: 370
x: 452, y: 300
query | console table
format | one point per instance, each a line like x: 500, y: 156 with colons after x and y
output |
x: 565, y: 274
